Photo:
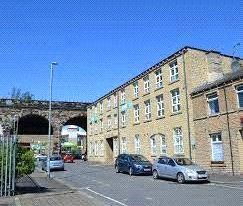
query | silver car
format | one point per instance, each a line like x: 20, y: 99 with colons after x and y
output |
x: 56, y: 163
x: 179, y: 168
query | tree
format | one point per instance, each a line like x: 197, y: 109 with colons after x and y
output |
x: 16, y: 94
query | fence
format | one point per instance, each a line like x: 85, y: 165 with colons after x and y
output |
x: 7, y: 165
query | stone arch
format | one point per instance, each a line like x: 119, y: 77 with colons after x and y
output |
x: 79, y: 120
x: 33, y: 124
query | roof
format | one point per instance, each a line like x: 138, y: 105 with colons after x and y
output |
x: 156, y: 66
x: 227, y: 78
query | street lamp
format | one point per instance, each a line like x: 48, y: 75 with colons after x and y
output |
x: 49, y: 126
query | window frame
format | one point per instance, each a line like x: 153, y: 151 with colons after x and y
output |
x: 239, y: 92
x: 136, y: 113
x: 178, y: 145
x: 146, y: 84
x: 137, y: 144
x: 211, y: 100
x: 135, y: 89
x: 175, y: 70
x: 124, y: 145
x: 153, y: 146
x: 123, y: 97
x: 160, y: 106
x: 175, y: 96
x: 148, y: 114
x: 158, y: 79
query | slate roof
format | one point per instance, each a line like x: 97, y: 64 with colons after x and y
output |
x: 227, y: 78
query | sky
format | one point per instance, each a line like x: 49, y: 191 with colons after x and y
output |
x: 100, y: 44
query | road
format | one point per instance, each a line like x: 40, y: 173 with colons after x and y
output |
x: 111, y: 188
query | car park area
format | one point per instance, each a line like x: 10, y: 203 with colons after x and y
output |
x: 110, y: 188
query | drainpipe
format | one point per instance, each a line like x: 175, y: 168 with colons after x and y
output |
x: 229, y: 133
x: 118, y: 123
x: 187, y: 106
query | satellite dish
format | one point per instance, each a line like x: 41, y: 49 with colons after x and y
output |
x: 235, y: 65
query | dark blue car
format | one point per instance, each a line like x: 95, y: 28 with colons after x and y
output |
x: 133, y: 164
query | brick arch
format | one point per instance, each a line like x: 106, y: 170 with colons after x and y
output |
x: 33, y: 124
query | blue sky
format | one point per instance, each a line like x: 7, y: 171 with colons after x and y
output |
x: 101, y: 44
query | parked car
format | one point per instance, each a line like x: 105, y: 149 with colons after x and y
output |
x: 133, y: 164
x: 179, y: 168
x: 56, y: 163
x: 68, y: 158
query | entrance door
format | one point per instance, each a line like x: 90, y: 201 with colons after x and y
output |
x: 109, y: 150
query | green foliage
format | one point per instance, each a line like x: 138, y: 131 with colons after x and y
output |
x: 18, y: 95
x: 25, y: 162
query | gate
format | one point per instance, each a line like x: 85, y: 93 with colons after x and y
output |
x: 7, y: 165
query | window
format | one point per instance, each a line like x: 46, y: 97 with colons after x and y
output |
x: 90, y: 148
x: 108, y: 103
x: 115, y: 120
x: 101, y: 148
x: 147, y: 110
x: 123, y: 119
x: 135, y: 88
x: 115, y: 100
x: 174, y: 75
x: 146, y: 84
x: 153, y: 145
x: 178, y: 140
x: 115, y: 142
x: 96, y: 128
x: 136, y: 113
x: 96, y: 148
x: 213, y: 103
x: 175, y: 99
x: 158, y: 79
x: 160, y: 106
x: 123, y: 97
x: 101, y: 125
x: 95, y: 110
x: 101, y: 107
x: 137, y: 144
x: 163, y: 145
x: 217, y: 147
x: 109, y: 122
x: 124, y: 145
x: 239, y: 91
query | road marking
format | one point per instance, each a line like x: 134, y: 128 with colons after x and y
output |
x: 231, y: 187
x: 109, y: 198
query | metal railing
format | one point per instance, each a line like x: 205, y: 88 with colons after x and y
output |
x: 7, y: 165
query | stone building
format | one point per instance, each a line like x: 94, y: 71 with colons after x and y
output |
x: 152, y: 113
x: 218, y: 124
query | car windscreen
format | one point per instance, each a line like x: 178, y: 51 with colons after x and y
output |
x: 183, y: 161
x: 139, y: 158
x: 55, y: 158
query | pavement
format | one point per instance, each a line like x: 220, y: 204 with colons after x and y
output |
x: 38, y: 190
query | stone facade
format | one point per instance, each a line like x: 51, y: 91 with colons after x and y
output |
x: 171, y: 133
x: 14, y: 111
x: 227, y: 122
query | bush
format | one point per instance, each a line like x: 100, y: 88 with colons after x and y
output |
x: 25, y: 162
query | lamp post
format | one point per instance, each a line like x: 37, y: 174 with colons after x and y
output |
x: 49, y: 126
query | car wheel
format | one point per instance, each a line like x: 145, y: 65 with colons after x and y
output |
x: 117, y: 169
x: 180, y: 178
x: 130, y: 171
x: 155, y: 174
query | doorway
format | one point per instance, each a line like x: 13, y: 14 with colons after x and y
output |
x: 109, y: 150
